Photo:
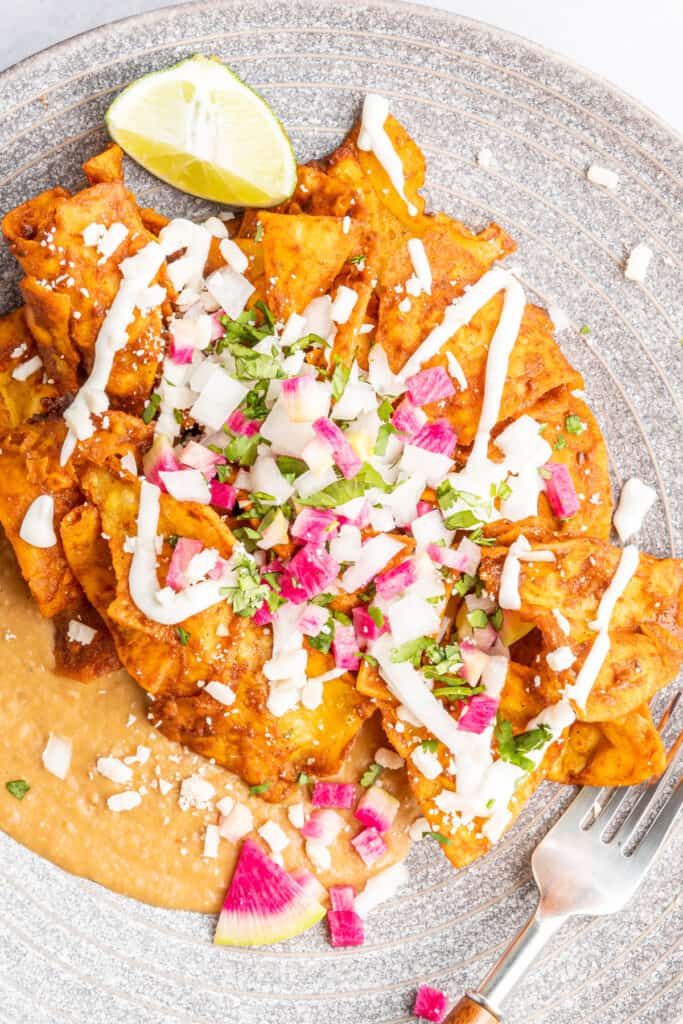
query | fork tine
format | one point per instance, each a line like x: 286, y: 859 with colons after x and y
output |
x: 582, y: 803
x: 630, y: 823
x: 660, y: 828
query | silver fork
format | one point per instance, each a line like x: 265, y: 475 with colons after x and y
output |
x: 583, y: 866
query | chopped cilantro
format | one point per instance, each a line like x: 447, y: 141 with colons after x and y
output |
x: 412, y: 650
x: 359, y: 258
x: 150, y: 410
x: 503, y: 491
x: 368, y: 658
x: 343, y: 618
x: 290, y: 467
x: 250, y: 592
x: 323, y: 600
x: 513, y: 748
x: 457, y: 691
x: 441, y: 839
x: 585, y: 329
x: 182, y: 635
x: 462, y: 520
x: 466, y: 583
x: 337, y: 493
x: 179, y: 416
x: 560, y: 443
x: 243, y: 449
x: 430, y: 746
x: 385, y: 410
x: 268, y: 318
x: 573, y: 425
x: 383, y: 435
x: 222, y: 471
x: 305, y: 780
x: 172, y: 539
x: 262, y: 787
x: 376, y: 615
x: 323, y: 641
x: 18, y: 788
x: 308, y: 341
x: 370, y: 775
x: 340, y: 378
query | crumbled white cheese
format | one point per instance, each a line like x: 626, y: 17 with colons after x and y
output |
x: 165, y: 787
x: 426, y: 762
x: 225, y: 805
x: 388, y: 759
x: 274, y: 835
x: 195, y: 792
x: 598, y: 175
x: 80, y: 633
x: 37, y: 527
x: 635, y: 501
x: 212, y: 838
x: 57, y: 756
x: 560, y: 659
x: 562, y: 621
x: 221, y: 692
x: 638, y: 262
x: 127, y: 801
x: 296, y: 815
x: 25, y: 370
x: 319, y: 855
x: 114, y: 769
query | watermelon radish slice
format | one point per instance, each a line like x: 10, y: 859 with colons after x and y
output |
x: 342, y: 897
x: 263, y: 903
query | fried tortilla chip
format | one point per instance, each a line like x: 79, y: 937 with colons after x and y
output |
x: 302, y: 256
x: 646, y: 628
x: 21, y: 400
x: 622, y: 752
x: 69, y: 286
x: 77, y: 660
x: 29, y: 467
x: 584, y: 452
x: 461, y: 842
x: 215, y: 645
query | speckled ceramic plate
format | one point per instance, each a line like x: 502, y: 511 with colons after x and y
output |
x: 73, y: 952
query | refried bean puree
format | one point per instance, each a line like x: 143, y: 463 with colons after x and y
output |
x: 153, y: 853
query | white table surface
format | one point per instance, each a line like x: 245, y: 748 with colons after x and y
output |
x: 635, y: 44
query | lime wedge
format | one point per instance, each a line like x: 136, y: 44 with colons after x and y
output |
x: 198, y: 126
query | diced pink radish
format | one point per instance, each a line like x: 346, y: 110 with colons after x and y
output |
x: 430, y: 385
x: 377, y: 809
x: 396, y: 580
x: 334, y: 794
x: 222, y: 495
x: 346, y: 928
x: 304, y: 398
x: 430, y: 1004
x: 183, y: 553
x: 560, y: 492
x: 485, y: 637
x: 342, y: 452
x: 423, y: 507
x: 239, y: 424
x: 181, y: 355
x: 369, y: 845
x: 436, y: 437
x: 197, y: 456
x: 309, y: 883
x: 315, y: 525
x: 308, y: 573
x: 469, y: 556
x: 444, y: 556
x: 217, y: 328
x: 218, y: 569
x: 323, y: 826
x: 263, y: 615
x: 159, y: 459
x: 407, y: 418
x: 362, y: 517
x: 474, y: 662
x: 312, y: 620
x: 365, y: 626
x: 345, y: 647
x: 342, y: 897
x: 479, y: 713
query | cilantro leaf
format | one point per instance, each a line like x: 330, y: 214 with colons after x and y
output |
x: 513, y: 748
x: 150, y: 410
x: 262, y: 787
x: 370, y: 775
x: 430, y: 746
x: 18, y: 788
x: 182, y: 635
x: 574, y: 425
x: 340, y: 378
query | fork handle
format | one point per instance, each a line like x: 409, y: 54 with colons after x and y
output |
x: 482, y: 1007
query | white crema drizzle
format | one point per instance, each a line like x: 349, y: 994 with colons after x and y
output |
x: 372, y: 137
